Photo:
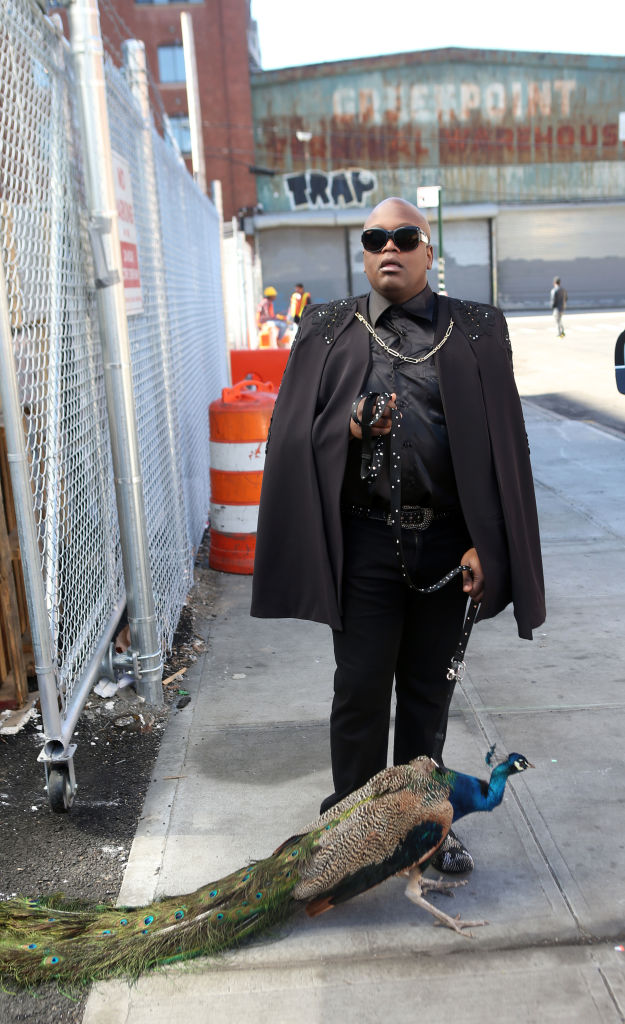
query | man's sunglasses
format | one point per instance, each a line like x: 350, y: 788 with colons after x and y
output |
x: 374, y: 239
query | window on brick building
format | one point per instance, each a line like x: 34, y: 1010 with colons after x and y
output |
x: 179, y: 124
x: 171, y: 63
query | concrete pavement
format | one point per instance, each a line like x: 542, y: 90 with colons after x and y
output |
x: 247, y: 762
x: 573, y: 375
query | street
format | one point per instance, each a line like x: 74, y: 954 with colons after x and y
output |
x: 573, y: 375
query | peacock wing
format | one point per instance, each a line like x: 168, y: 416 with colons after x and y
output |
x: 400, y: 820
x: 389, y: 780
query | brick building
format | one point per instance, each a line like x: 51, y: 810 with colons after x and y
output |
x: 226, y: 47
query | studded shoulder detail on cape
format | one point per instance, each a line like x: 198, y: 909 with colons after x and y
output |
x: 478, y: 318
x: 329, y: 316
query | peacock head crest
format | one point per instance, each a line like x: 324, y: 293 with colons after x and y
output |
x: 515, y: 763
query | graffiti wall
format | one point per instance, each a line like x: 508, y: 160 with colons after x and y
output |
x: 484, y: 124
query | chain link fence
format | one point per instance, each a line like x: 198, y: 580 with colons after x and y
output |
x: 178, y: 353
x: 177, y: 346
x: 192, y: 264
x: 47, y: 265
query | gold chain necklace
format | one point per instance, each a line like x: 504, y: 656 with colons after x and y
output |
x: 398, y: 355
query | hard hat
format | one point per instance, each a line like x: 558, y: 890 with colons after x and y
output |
x: 270, y: 292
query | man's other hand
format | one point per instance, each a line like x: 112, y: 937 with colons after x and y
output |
x: 473, y: 582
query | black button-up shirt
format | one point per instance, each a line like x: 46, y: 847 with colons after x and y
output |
x: 427, y: 476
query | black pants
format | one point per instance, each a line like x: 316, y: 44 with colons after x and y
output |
x: 390, y: 631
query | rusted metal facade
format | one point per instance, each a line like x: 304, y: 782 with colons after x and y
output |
x: 513, y: 131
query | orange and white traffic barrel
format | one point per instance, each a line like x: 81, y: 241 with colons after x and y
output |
x: 239, y: 423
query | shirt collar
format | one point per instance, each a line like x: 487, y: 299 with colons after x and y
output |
x: 421, y: 305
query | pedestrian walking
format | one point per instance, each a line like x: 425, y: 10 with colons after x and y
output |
x: 356, y: 504
x: 558, y: 299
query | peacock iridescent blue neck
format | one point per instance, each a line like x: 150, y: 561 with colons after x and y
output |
x: 468, y: 793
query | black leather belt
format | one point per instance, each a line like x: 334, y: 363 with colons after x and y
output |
x: 411, y: 517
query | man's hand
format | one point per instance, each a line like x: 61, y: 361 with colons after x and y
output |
x: 384, y: 424
x: 473, y: 582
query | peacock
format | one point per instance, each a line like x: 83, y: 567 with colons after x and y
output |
x: 392, y: 825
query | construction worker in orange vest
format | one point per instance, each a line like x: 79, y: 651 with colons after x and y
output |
x: 265, y: 309
x: 299, y: 299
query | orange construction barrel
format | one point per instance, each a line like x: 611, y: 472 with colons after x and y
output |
x: 239, y: 423
x: 268, y: 336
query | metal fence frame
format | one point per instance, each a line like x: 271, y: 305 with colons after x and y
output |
x: 110, y: 507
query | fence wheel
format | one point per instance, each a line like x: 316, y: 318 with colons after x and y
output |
x: 60, y: 790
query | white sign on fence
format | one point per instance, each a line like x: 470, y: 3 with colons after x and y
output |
x: 127, y: 235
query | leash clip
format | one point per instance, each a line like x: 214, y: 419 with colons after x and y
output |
x: 456, y: 671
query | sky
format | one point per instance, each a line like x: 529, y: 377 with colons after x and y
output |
x: 322, y: 30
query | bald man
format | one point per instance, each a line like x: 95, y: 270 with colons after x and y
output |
x: 397, y: 452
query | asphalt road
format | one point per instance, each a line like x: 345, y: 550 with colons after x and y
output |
x: 573, y: 375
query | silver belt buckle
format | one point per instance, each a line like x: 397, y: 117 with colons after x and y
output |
x: 416, y: 518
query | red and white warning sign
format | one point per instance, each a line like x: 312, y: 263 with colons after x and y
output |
x: 127, y: 235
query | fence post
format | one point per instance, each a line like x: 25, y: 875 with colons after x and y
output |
x: 54, y: 383
x: 217, y: 197
x: 244, y: 341
x: 87, y: 53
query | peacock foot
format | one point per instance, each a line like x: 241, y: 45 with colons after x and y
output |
x: 457, y: 923
x: 441, y: 885
x: 414, y: 892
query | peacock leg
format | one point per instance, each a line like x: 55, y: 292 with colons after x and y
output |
x: 415, y: 894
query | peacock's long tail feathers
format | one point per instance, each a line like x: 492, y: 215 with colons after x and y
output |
x: 54, y: 940
x: 395, y: 821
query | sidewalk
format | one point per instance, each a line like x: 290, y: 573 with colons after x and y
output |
x: 247, y: 762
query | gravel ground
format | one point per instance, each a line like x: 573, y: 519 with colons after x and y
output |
x: 83, y: 853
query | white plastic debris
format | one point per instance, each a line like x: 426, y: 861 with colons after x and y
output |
x: 108, y: 688
x: 105, y: 688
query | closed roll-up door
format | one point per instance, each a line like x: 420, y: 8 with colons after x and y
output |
x: 466, y: 247
x: 584, y: 247
x: 314, y: 256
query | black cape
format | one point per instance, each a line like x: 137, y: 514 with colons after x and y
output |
x: 299, y: 548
